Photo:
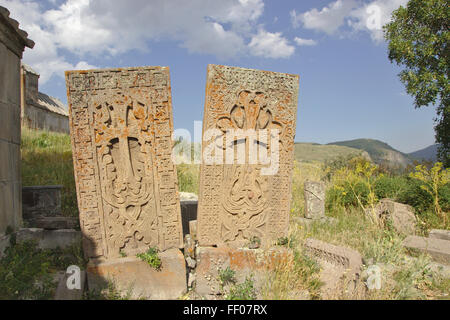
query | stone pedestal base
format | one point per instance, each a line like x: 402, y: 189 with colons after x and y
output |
x: 245, y: 262
x: 131, y: 275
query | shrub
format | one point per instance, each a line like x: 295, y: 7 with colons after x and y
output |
x: 151, y: 257
x: 390, y: 187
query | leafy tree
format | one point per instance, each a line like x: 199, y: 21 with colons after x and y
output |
x: 418, y: 38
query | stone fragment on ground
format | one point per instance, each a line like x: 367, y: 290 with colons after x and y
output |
x: 341, y: 267
x: 440, y: 234
x: 438, y: 249
x: 400, y: 215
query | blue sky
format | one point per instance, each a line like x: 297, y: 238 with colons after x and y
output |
x: 348, y: 87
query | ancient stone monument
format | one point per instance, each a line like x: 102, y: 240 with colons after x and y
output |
x: 242, y: 197
x: 121, y: 125
x: 12, y: 44
x: 314, y: 200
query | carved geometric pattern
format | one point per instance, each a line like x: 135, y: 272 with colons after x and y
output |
x: 237, y: 202
x: 121, y: 125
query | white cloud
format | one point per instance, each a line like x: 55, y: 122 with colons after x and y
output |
x: 305, y: 42
x: 328, y: 20
x: 270, y: 45
x: 359, y: 16
x: 226, y: 29
x: 372, y: 16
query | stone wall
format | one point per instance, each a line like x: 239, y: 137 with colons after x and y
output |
x: 12, y: 44
x: 38, y: 118
x: 38, y: 110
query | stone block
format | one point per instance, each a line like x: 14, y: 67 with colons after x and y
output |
x: 49, y: 239
x: 401, y: 215
x: 314, y: 192
x: 438, y: 249
x: 4, y: 243
x: 5, y: 165
x: 440, y: 234
x: 5, y: 121
x: 193, y: 229
x: 7, y: 213
x: 10, y: 78
x: 131, y: 275
x: 245, y: 262
x: 340, y: 267
x: 53, y: 223
x: 64, y: 293
x: 188, y: 213
x: 344, y: 257
x: 41, y: 201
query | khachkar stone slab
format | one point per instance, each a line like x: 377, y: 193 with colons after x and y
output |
x: 121, y: 125
x: 314, y: 199
x: 241, y: 198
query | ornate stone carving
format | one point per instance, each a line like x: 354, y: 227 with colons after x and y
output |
x: 121, y: 125
x: 237, y: 201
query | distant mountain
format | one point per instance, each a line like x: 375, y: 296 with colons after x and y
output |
x: 310, y: 152
x: 429, y: 153
x: 379, y: 151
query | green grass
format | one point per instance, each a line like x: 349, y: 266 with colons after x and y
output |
x: 151, y: 257
x: 26, y: 272
x: 47, y: 160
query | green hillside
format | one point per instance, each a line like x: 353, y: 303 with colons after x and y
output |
x: 310, y: 152
x: 379, y: 151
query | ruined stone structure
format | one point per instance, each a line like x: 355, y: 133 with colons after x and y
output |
x: 12, y: 44
x: 237, y: 200
x: 38, y: 110
x: 121, y: 125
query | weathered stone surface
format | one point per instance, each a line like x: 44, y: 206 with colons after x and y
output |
x: 314, y: 199
x: 188, y: 213
x: 12, y: 44
x: 121, y: 126
x: 64, y: 293
x: 401, y: 215
x: 41, y: 201
x: 245, y: 262
x: 49, y: 239
x: 4, y: 243
x: 193, y: 229
x: 139, y: 278
x: 340, y: 266
x: 41, y: 111
x: 438, y: 249
x: 347, y: 258
x: 52, y: 223
x: 241, y: 195
x: 440, y: 234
